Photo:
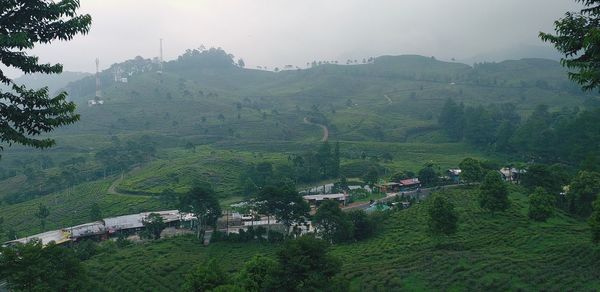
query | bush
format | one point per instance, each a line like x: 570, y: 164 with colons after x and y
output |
x: 275, y: 236
x: 541, y: 205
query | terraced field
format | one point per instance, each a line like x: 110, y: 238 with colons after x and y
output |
x: 71, y: 207
x: 504, y: 251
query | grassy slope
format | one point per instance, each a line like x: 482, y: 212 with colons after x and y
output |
x: 490, y: 252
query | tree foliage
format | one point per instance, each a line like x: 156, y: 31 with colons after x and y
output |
x: 33, y: 267
x: 258, y: 273
x: 205, y: 277
x: 471, y: 170
x: 201, y: 201
x: 584, y: 190
x: 283, y: 201
x: 493, y: 193
x: 541, y: 205
x: 26, y: 113
x: 594, y: 222
x: 332, y: 224
x: 154, y: 225
x: 578, y: 39
x: 443, y: 220
x: 42, y: 213
x: 306, y: 265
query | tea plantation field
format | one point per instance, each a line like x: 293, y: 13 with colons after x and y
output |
x: 504, y: 251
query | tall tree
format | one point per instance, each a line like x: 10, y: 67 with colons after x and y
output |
x: 577, y: 36
x: 493, y: 193
x: 33, y: 267
x: 452, y: 119
x: 154, y: 225
x: 594, y: 222
x: 541, y: 205
x: 471, y: 170
x: 42, y: 213
x: 25, y: 113
x: 584, y: 189
x: 95, y: 212
x: 283, y: 202
x: 442, y: 217
x: 335, y: 167
x: 201, y: 201
x: 332, y: 224
x: 427, y: 175
x: 306, y: 265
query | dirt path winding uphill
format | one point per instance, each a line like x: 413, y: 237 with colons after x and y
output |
x: 388, y: 98
x: 325, y: 129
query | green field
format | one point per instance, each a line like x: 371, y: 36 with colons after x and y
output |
x: 499, y: 252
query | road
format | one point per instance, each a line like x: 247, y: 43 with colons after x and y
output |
x: 325, y: 129
x: 391, y: 196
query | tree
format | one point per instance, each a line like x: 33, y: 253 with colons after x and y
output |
x: 42, y: 213
x: 427, y: 175
x: 332, y: 224
x: 201, y: 201
x: 27, y: 113
x: 549, y: 178
x: 306, y: 265
x: 584, y: 189
x: 442, y: 217
x: 471, y: 170
x: 241, y: 63
x: 258, y: 273
x: 205, y: 277
x: 95, y: 212
x: 154, y: 225
x: 577, y: 37
x: 33, y: 267
x: 594, y: 222
x: 363, y: 225
x: 452, y: 119
x: 1, y: 225
x: 283, y: 202
x: 372, y: 176
x: 541, y: 205
x: 493, y: 193
x: 335, y: 167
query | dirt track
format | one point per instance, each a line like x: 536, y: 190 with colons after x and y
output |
x: 325, y: 129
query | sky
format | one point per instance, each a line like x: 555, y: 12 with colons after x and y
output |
x: 280, y: 32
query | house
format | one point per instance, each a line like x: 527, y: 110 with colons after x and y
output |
x: 454, y: 175
x: 409, y: 184
x: 316, y: 200
x: 511, y: 174
x: 391, y: 187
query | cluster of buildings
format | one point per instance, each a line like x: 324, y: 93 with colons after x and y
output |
x: 105, y: 228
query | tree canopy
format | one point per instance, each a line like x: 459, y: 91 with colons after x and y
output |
x: 332, y: 223
x: 33, y: 267
x: 27, y: 113
x: 493, y: 193
x: 442, y: 217
x: 578, y: 39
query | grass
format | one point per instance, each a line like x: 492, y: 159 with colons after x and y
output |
x: 504, y: 251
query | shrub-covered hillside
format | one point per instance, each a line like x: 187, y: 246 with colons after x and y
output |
x: 499, y: 252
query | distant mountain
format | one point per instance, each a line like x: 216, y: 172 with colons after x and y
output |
x: 54, y: 82
x: 515, y: 53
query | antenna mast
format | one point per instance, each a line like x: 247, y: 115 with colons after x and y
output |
x: 161, y: 56
x: 98, y: 91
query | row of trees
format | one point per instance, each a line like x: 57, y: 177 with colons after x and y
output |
x: 571, y: 134
x: 311, y: 166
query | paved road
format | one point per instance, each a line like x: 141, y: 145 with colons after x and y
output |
x: 424, y: 193
x: 325, y: 129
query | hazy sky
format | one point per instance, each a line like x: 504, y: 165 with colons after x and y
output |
x: 279, y: 32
